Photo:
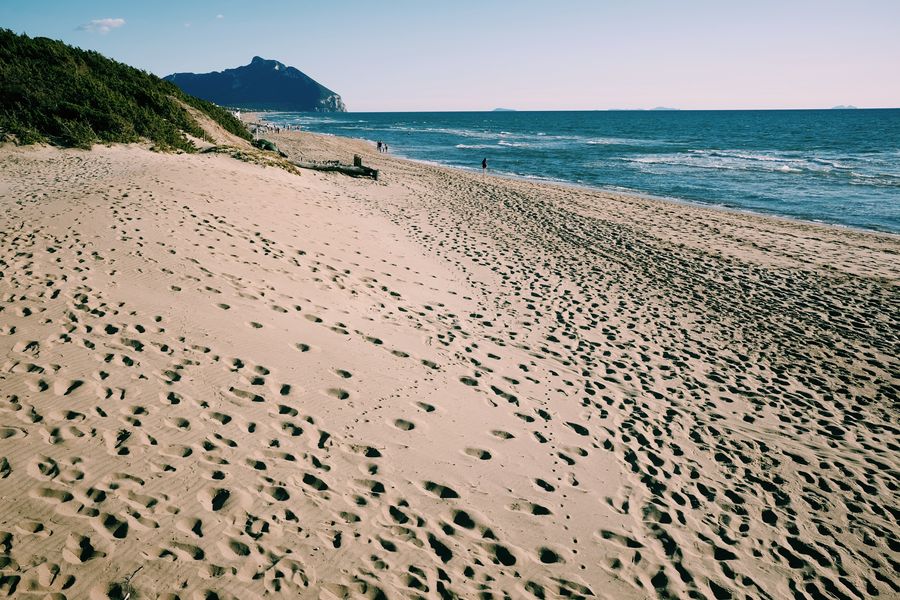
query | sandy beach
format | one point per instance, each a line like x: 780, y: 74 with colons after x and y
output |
x: 224, y: 380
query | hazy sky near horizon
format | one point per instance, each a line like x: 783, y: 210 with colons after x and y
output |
x: 401, y: 55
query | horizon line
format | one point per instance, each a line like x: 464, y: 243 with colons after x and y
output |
x: 508, y: 110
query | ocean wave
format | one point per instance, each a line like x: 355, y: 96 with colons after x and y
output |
x: 814, y: 166
x: 532, y: 177
x: 694, y: 161
x: 536, y: 139
x: 613, y: 141
x: 481, y: 134
x: 295, y: 118
x: 494, y: 146
x: 468, y: 133
x: 808, y: 162
x: 879, y: 180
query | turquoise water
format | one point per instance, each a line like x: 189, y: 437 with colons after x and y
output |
x: 834, y: 166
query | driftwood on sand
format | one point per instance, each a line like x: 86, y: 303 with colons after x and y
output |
x: 355, y: 170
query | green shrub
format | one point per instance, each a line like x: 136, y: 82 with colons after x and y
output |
x: 27, y: 136
x: 265, y: 145
x: 75, y: 134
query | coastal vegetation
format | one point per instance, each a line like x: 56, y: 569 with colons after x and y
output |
x: 252, y: 155
x: 52, y: 92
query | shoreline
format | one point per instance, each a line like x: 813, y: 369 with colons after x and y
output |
x: 643, y: 195
x: 636, y: 193
x: 591, y: 201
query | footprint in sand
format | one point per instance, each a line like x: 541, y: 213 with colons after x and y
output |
x: 214, y: 499
x: 530, y: 507
x: 234, y: 549
x: 441, y: 491
x: 478, y: 453
x: 549, y: 556
x: 111, y: 526
x: 80, y: 549
x: 190, y: 525
x: 339, y: 393
x: 65, y: 387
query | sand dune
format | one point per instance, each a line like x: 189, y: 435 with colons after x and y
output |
x: 219, y: 380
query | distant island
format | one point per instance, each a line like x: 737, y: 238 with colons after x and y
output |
x: 261, y: 85
x: 504, y: 110
x: 844, y: 107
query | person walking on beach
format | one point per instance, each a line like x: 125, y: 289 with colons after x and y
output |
x: 379, y: 146
x: 484, y: 167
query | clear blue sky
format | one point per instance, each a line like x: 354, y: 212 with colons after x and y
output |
x: 525, y: 54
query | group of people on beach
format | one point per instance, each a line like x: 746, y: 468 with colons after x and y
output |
x: 382, y: 147
x: 257, y: 128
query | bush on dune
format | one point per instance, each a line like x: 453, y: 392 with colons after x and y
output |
x: 53, y: 92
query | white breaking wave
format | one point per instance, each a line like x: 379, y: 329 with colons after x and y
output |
x: 773, y: 162
x: 612, y: 141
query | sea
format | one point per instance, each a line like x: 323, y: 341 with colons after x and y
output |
x: 831, y: 166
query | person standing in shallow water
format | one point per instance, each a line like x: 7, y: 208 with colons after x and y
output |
x: 484, y: 167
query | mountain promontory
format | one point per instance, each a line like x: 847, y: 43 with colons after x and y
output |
x: 261, y: 85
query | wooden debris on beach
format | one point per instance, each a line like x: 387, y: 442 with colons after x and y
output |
x: 357, y: 169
